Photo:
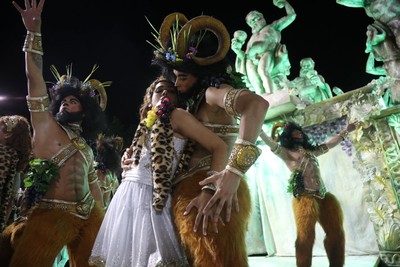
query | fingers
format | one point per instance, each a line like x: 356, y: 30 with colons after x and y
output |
x: 228, y: 210
x: 27, y: 4
x: 208, y: 180
x: 20, y: 10
x: 210, y: 203
x: 188, y: 208
x: 215, y: 226
x: 218, y: 211
x: 197, y: 222
x: 41, y: 3
x: 205, y: 224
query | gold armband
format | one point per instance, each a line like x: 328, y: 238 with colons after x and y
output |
x: 33, y: 43
x: 323, y: 148
x: 38, y: 104
x: 277, y: 150
x: 230, y: 100
x: 344, y: 134
x: 243, y: 155
x: 92, y: 176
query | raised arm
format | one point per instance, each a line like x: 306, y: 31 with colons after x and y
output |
x: 31, y: 17
x: 285, y: 21
x: 334, y: 141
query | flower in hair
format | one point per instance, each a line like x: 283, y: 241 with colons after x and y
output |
x: 161, y: 111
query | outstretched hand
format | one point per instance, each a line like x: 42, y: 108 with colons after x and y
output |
x: 227, y: 184
x: 31, y: 15
x: 352, y: 126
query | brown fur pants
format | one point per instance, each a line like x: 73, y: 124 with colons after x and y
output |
x: 47, y: 231
x: 309, y: 210
x: 228, y: 247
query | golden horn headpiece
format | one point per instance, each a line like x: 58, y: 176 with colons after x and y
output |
x: 274, y: 129
x: 173, y: 39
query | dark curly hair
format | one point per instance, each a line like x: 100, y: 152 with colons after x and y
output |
x: 94, y: 119
x: 286, y: 139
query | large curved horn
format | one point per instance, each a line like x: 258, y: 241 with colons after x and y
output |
x: 166, y: 25
x: 199, y: 23
x: 95, y: 84
x: 274, y: 135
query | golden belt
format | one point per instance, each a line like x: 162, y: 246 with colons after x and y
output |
x: 79, y: 209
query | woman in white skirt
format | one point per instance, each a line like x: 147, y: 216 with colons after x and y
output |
x: 138, y: 230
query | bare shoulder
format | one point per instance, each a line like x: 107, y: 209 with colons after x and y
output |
x: 180, y: 117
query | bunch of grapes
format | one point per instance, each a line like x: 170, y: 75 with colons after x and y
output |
x: 32, y: 197
x: 347, y: 147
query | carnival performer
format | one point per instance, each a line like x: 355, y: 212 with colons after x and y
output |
x: 108, y: 165
x: 138, y: 228
x: 62, y: 184
x: 198, y: 64
x: 312, y: 202
x: 15, y: 150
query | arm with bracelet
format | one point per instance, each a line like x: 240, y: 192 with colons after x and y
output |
x: 250, y: 108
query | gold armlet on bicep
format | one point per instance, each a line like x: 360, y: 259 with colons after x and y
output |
x: 230, y: 100
x: 323, y: 148
x: 92, y: 176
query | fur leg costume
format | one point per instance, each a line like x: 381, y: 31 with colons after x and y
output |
x: 48, y: 230
x: 9, y: 239
x: 309, y: 210
x: 228, y: 247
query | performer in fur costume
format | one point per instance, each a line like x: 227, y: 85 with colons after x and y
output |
x: 198, y: 65
x: 62, y: 185
x: 311, y: 203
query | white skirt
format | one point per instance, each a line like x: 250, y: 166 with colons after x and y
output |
x: 133, y: 234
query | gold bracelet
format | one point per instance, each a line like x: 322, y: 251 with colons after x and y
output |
x: 243, y: 156
x: 33, y: 43
x: 344, y: 134
x: 277, y: 150
x: 235, y: 171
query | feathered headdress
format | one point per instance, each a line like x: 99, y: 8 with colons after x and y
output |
x: 92, y: 87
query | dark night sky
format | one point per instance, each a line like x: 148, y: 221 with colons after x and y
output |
x: 113, y: 35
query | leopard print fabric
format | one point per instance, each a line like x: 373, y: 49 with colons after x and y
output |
x: 8, y: 170
x: 162, y: 152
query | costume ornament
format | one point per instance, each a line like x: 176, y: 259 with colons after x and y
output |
x: 89, y: 86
